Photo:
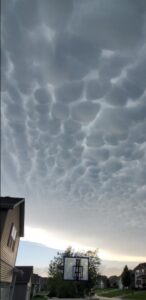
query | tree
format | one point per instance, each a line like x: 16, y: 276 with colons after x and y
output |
x: 126, y: 277
x: 61, y: 288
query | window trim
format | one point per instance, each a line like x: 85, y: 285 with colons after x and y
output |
x: 12, y: 237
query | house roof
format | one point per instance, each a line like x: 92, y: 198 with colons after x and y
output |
x: 7, y: 203
x: 113, y: 278
x: 25, y: 275
x: 10, y: 202
x: 140, y: 266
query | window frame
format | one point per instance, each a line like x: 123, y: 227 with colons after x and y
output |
x: 12, y: 237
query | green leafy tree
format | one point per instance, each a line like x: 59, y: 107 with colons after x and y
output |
x: 60, y: 288
x: 126, y: 277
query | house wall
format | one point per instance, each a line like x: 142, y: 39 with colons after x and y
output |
x: 8, y: 257
x: 22, y: 291
x: 30, y: 283
x: 4, y: 291
x: 44, y: 283
x: 139, y: 281
x: 28, y: 293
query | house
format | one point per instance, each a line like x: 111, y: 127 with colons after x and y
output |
x: 11, y: 229
x: 36, y: 284
x: 120, y: 284
x: 22, y: 289
x: 140, y: 276
x: 102, y: 282
x: 114, y: 281
x: 44, y: 283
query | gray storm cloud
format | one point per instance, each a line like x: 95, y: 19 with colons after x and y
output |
x: 74, y: 118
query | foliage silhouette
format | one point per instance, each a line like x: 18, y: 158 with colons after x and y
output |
x: 58, y: 287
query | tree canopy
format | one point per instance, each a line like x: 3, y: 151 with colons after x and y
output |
x: 58, y: 287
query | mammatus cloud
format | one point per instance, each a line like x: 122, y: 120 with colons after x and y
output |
x: 74, y: 119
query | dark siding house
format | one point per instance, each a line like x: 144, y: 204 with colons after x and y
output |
x: 44, y: 283
x: 11, y: 229
x: 22, y: 290
x: 140, y: 276
x: 36, y: 284
x: 102, y: 282
x: 114, y: 280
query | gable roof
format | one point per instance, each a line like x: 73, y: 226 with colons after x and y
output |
x: 140, y: 266
x: 24, y: 274
x: 7, y: 203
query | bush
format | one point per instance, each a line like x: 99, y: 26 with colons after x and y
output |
x: 40, y: 296
x: 52, y: 294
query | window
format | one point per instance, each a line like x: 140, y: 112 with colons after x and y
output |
x: 138, y: 282
x: 12, y: 237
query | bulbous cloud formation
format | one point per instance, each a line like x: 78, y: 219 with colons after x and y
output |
x: 74, y: 118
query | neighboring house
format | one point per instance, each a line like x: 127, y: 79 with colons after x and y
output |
x: 114, y: 281
x: 140, y: 276
x: 11, y: 229
x: 102, y: 282
x: 23, y: 283
x: 120, y: 284
x: 36, y: 284
x: 44, y: 283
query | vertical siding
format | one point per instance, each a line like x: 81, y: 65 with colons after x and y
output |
x: 4, y: 291
x: 8, y: 257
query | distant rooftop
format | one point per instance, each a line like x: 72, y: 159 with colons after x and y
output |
x: 10, y: 202
x: 26, y: 274
x: 141, y: 265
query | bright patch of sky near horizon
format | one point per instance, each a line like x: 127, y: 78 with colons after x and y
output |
x: 74, y: 120
x: 39, y: 256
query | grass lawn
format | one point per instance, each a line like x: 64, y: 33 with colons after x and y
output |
x: 112, y: 292
x: 141, y: 295
x: 40, y: 296
x: 117, y: 293
x: 125, y: 294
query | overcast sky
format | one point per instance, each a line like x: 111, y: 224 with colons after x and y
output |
x: 74, y: 121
